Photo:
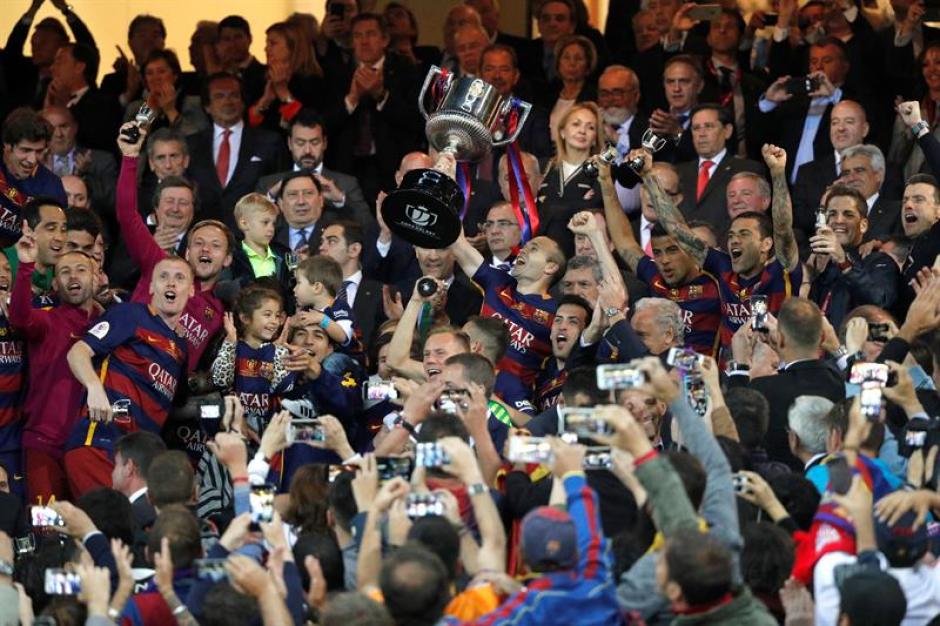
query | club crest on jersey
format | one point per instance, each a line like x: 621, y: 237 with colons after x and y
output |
x: 209, y: 312
x: 540, y: 316
x: 696, y: 291
x: 348, y: 380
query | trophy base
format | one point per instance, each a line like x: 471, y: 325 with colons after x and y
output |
x: 425, y: 209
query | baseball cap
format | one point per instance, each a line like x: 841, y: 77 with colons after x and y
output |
x: 873, y: 598
x: 549, y: 540
x: 901, y: 544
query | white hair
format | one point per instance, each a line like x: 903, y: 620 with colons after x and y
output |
x: 874, y: 154
x: 806, y: 418
x: 666, y: 313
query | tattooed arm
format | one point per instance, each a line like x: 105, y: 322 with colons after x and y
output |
x: 782, y: 208
x: 669, y: 216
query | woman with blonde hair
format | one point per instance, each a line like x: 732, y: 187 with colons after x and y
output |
x: 566, y: 186
x: 295, y: 79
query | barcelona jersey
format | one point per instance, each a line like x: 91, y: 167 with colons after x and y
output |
x: 699, y: 299
x: 774, y: 281
x: 548, y: 385
x: 528, y: 317
x: 141, y: 360
x: 11, y: 386
x: 255, y: 383
x: 341, y: 313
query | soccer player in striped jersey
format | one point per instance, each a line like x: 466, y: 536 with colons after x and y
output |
x: 519, y: 298
x: 671, y: 272
x: 572, y: 315
x: 132, y: 360
x: 11, y: 384
x: 762, y: 256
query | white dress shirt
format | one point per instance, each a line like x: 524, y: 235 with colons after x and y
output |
x: 715, y: 160
x: 234, y: 142
x: 353, y: 287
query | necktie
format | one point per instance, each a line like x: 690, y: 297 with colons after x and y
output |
x: 623, y: 142
x: 225, y: 151
x: 703, y: 177
x: 363, y: 145
x: 683, y: 118
x: 343, y: 293
x: 301, y: 240
x: 648, y: 248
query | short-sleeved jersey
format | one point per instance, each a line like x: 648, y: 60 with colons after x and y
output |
x: 699, y: 299
x: 775, y: 282
x: 141, y: 360
x: 513, y: 392
x: 12, y: 363
x: 341, y: 313
x: 254, y: 383
x: 548, y: 384
x: 528, y: 317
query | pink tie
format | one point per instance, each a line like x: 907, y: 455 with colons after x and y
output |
x: 648, y: 248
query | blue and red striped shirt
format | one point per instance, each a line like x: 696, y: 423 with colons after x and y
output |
x: 528, y: 317
x: 775, y: 282
x: 255, y: 383
x: 141, y: 362
x: 699, y: 299
x: 11, y: 385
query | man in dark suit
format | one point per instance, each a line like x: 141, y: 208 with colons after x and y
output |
x: 489, y: 11
x: 133, y: 455
x: 848, y: 127
x: 145, y: 34
x: 702, y: 182
x: 300, y: 200
x: 372, y: 115
x: 234, y: 52
x: 798, y: 337
x: 307, y: 143
x: 343, y: 241
x: 463, y: 298
x: 863, y: 169
x: 683, y: 81
x: 227, y: 161
x: 73, y: 86
x: 618, y: 97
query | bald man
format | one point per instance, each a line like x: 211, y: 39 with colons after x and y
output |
x: 848, y: 127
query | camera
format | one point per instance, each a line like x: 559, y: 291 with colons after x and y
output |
x: 378, y: 390
x: 684, y: 359
x: 210, y: 570
x: 60, y: 582
x: 211, y: 408
x: 300, y: 430
x: 822, y: 218
x: 759, y: 313
x: 427, y: 287
x: 299, y: 408
x: 802, y: 85
x: 612, y: 376
x: 142, y: 121
x: 452, y: 402
x: 597, y: 458
x: 121, y: 412
x: 739, y: 482
x: 45, y: 517
x: 530, y: 450
x: 919, y: 433
x: 582, y: 422
x: 878, y: 332
x: 423, y: 504
x: 261, y: 504
x: 389, y: 467
x: 431, y: 454
x: 872, y: 373
x: 871, y: 400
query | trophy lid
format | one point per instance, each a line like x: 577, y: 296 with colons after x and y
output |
x: 425, y: 209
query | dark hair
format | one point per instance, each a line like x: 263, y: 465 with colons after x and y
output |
x: 437, y: 534
x: 87, y: 55
x: 323, y: 546
x: 415, y: 586
x: 54, y: 26
x: 582, y: 380
x: 322, y: 269
x: 170, y: 479
x: 25, y: 124
x: 111, y: 513
x: 577, y: 300
x: 501, y: 47
x: 207, y: 85
x: 83, y: 220
x: 801, y: 321
x: 172, y: 182
x: 658, y: 230
x: 236, y: 22
x: 699, y: 564
x: 916, y: 179
x: 352, y: 231
x: 308, y: 118
x: 798, y: 496
x: 496, y: 335
x: 833, y: 41
x: 751, y: 414
x: 32, y: 212
x: 229, y: 237
x: 370, y: 17
x: 298, y: 174
x: 738, y: 20
x: 306, y: 509
x: 166, y: 134
x: 354, y: 609
x: 765, y: 225
x: 476, y: 369
x: 439, y: 425
x: 700, y: 224
x: 141, y: 447
x: 250, y: 298
x: 837, y: 191
x: 568, y: 3
x: 767, y: 558
x: 724, y: 115
x: 691, y: 473
x: 144, y: 18
x: 686, y: 59
x: 180, y: 526
x: 223, y: 606
x: 341, y: 500
x: 167, y: 56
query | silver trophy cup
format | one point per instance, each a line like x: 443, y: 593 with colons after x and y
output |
x: 468, y: 117
x: 652, y: 142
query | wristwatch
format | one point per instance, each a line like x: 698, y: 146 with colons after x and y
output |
x: 6, y: 568
x: 920, y: 128
x: 611, y: 311
x: 476, y: 489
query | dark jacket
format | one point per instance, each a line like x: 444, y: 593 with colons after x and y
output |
x: 558, y: 200
x: 712, y: 207
x: 872, y: 280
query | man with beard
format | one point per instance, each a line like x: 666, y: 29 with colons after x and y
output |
x: 140, y: 359
x: 307, y: 143
x: 618, y: 97
x: 571, y: 316
x: 845, y: 280
x: 49, y: 334
x: 762, y: 257
x: 671, y: 273
x: 208, y: 252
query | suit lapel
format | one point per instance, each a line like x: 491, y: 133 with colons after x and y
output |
x: 244, y: 154
x: 722, y: 173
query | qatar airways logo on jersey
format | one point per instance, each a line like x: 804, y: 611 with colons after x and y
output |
x: 687, y: 320
x: 519, y: 338
x: 736, y: 313
x: 11, y: 353
x: 193, y: 330
x: 257, y: 404
x: 161, y: 380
